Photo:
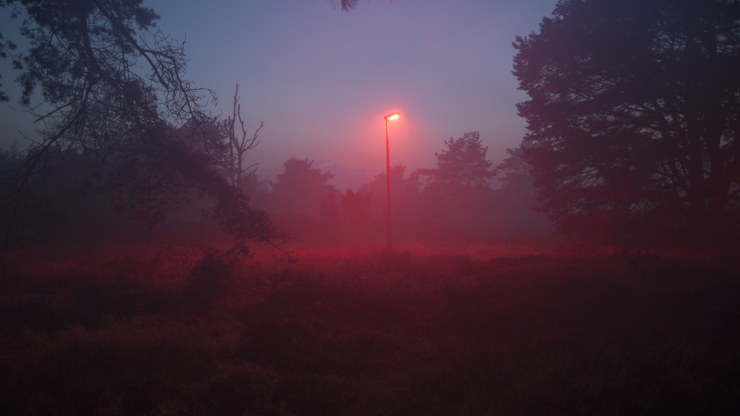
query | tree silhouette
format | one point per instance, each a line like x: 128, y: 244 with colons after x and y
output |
x: 515, y: 199
x: 463, y: 163
x: 300, y: 188
x: 112, y: 89
x: 405, y: 191
x: 515, y: 176
x: 633, y: 116
x: 346, y: 5
x: 356, y: 210
x: 457, y: 196
x: 239, y: 143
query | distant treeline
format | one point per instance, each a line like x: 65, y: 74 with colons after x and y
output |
x: 463, y: 199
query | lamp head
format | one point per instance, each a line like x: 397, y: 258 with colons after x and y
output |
x: 392, y: 116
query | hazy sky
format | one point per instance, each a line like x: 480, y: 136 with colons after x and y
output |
x: 322, y: 80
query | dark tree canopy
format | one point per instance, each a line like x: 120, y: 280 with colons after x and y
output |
x: 103, y: 82
x: 346, y: 5
x: 300, y: 187
x: 515, y: 174
x: 634, y: 115
x: 463, y: 162
x: 457, y: 194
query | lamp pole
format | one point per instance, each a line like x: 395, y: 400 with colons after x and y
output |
x: 389, y: 117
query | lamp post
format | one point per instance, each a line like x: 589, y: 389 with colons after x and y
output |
x: 389, y: 117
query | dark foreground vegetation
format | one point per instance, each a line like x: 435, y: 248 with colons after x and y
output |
x: 378, y: 334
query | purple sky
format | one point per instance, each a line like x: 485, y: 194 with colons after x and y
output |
x: 321, y: 80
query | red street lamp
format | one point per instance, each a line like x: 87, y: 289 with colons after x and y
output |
x: 389, y: 117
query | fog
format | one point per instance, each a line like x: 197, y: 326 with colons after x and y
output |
x: 369, y: 208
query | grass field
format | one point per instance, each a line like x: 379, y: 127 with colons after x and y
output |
x: 439, y: 331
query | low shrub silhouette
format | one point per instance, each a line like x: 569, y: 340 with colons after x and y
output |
x: 375, y: 335
x: 208, y: 278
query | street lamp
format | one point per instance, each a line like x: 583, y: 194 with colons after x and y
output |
x: 389, y: 117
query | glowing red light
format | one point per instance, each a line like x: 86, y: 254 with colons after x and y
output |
x: 392, y: 116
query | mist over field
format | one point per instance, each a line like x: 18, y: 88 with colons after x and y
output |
x: 370, y: 208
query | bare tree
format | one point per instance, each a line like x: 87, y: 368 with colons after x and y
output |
x: 105, y: 84
x: 239, y: 143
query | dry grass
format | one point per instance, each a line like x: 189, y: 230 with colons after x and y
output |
x: 442, y: 330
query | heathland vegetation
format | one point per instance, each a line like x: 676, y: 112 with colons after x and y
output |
x: 168, y: 331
